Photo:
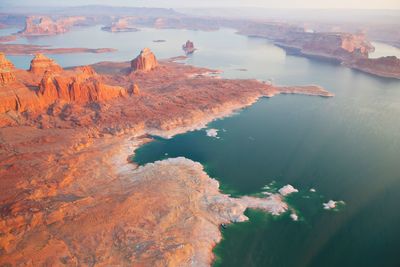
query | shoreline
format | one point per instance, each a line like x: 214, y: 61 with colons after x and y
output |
x: 275, y: 203
x: 91, y: 191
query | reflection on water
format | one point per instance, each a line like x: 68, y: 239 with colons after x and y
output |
x: 347, y: 147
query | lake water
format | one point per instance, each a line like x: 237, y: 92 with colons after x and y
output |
x: 382, y: 50
x: 346, y: 147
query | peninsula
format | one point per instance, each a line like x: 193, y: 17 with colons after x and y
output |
x: 71, y: 195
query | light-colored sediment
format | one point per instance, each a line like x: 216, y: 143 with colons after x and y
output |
x: 287, y: 190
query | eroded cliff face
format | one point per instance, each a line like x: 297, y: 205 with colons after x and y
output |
x: 334, y: 45
x: 6, y: 70
x: 44, y: 25
x: 146, y: 61
x: 77, y: 88
x: 342, y: 46
x: 46, y: 83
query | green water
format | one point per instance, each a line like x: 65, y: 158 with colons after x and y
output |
x: 346, y: 147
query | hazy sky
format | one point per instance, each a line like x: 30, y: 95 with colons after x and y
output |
x: 354, y: 4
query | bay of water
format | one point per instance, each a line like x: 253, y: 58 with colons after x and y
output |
x: 382, y: 50
x: 346, y: 147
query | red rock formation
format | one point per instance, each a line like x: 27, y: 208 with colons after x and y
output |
x: 77, y: 89
x: 86, y: 70
x: 121, y: 25
x: 6, y: 70
x: 13, y: 94
x: 40, y: 64
x: 80, y: 85
x: 384, y: 66
x: 135, y: 89
x: 188, y: 47
x: 146, y: 61
x: 43, y: 25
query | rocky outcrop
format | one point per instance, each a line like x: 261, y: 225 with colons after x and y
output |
x: 40, y: 64
x: 14, y: 96
x: 121, y: 25
x: 135, y: 89
x: 47, y: 83
x: 80, y: 89
x: 188, y: 47
x: 6, y: 70
x: 44, y: 25
x: 384, y: 66
x: 146, y: 61
x: 339, y: 46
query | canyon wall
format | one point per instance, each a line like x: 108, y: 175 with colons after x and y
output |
x: 45, y: 25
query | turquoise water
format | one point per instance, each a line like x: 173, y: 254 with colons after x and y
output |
x: 346, y: 147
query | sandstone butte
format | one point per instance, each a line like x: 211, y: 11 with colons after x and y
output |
x: 69, y: 194
x: 123, y: 24
x: 146, y: 61
x: 384, y: 66
x: 6, y: 70
x: 188, y: 47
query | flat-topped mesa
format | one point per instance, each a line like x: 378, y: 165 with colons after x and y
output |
x: 6, y: 70
x: 44, y: 25
x: 340, y: 46
x: 121, y: 25
x: 40, y: 64
x: 146, y: 61
x: 384, y: 66
x: 77, y: 89
x: 188, y: 47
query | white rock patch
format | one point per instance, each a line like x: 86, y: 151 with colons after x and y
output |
x: 287, y: 190
x: 212, y: 133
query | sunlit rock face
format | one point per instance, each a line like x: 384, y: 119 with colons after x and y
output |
x: 384, y: 66
x: 40, y: 64
x: 81, y: 87
x: 6, y: 70
x: 146, y: 61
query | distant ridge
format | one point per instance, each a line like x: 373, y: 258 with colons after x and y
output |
x: 92, y: 10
